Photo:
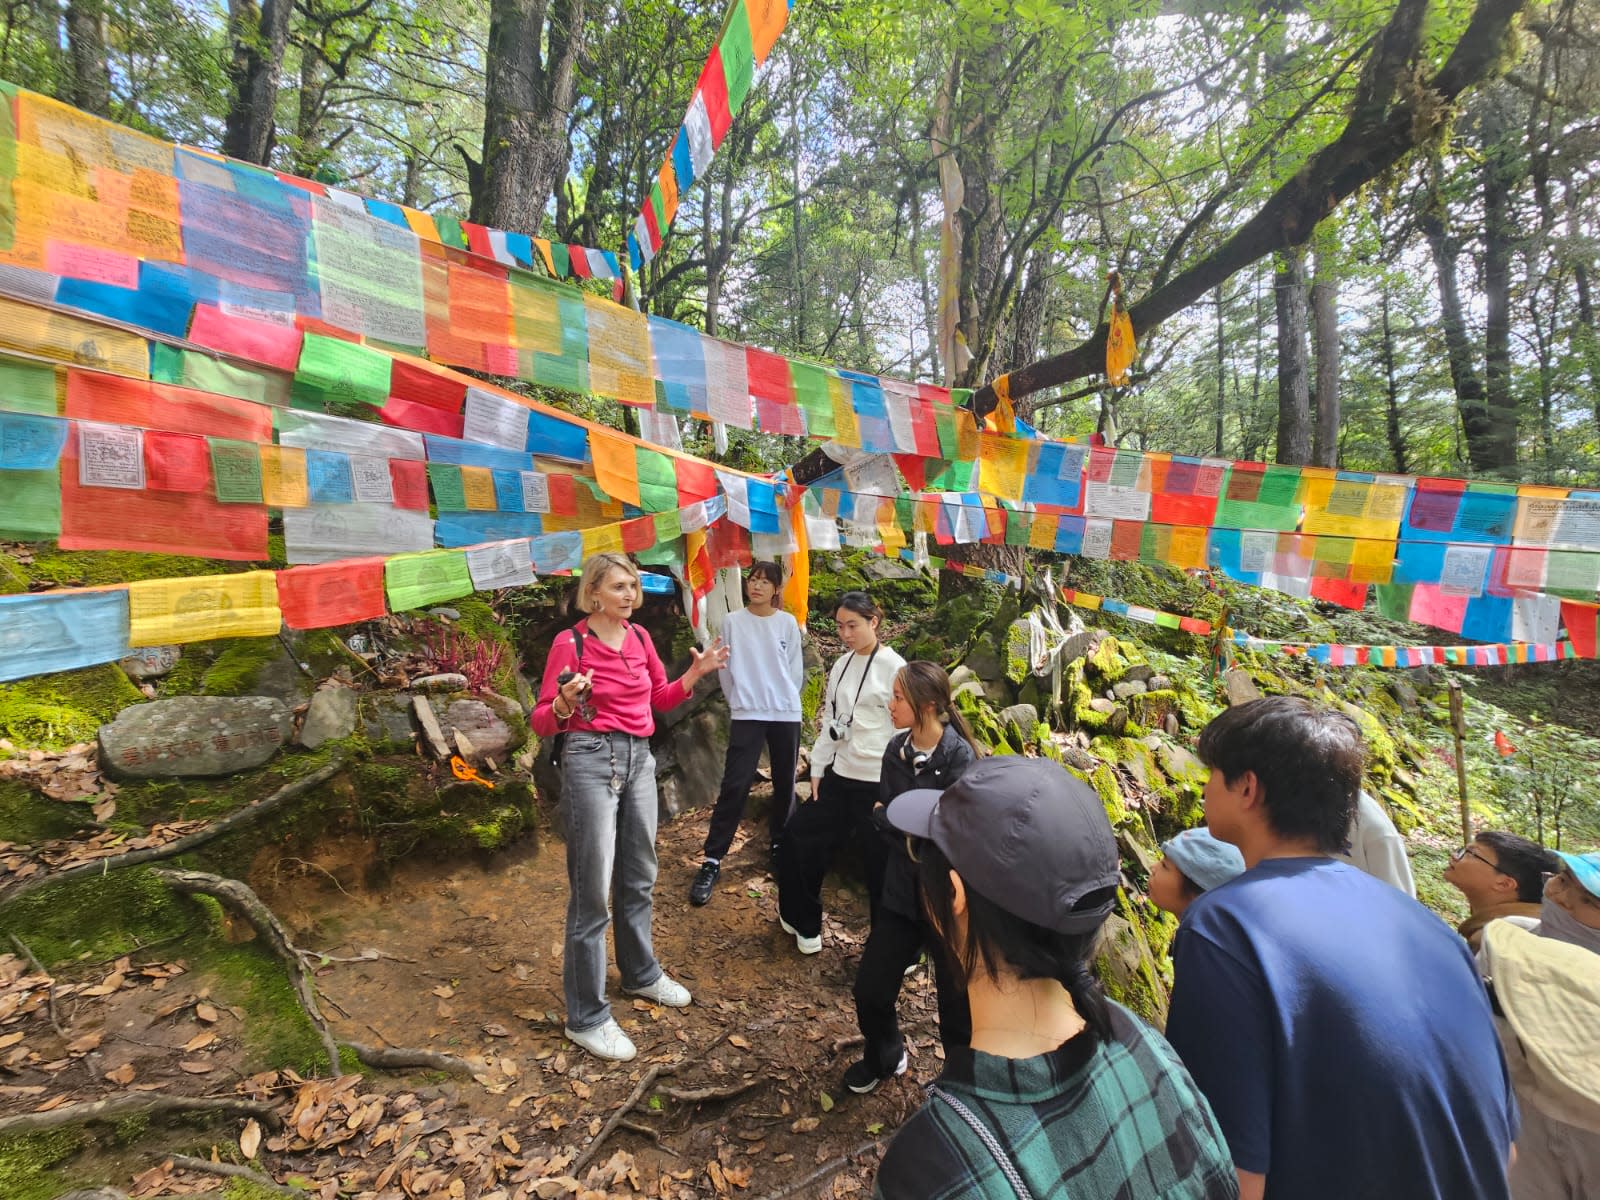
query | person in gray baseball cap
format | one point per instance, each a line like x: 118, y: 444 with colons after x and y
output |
x: 1019, y: 870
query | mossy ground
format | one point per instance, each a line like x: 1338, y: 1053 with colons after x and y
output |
x: 49, y: 712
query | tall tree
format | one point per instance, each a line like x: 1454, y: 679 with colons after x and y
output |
x: 1294, y: 386
x: 528, y: 87
x: 1325, y: 337
x: 258, y: 34
x: 86, y: 43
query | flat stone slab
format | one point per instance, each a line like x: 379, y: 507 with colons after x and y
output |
x: 194, y: 735
x: 332, y: 715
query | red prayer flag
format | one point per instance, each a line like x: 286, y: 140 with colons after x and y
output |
x: 696, y: 481
x: 1503, y: 744
x: 338, y: 593
x: 1580, y: 620
x: 176, y: 462
x: 409, y: 478
x: 713, y: 85
x: 260, y: 342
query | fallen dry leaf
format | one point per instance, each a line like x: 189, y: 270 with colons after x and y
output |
x: 250, y: 1139
x: 199, y: 1042
x: 196, y: 1067
x: 206, y: 1013
x: 10, y: 1039
x: 444, y: 991
x: 738, y: 1041
x: 805, y: 1125
x: 88, y: 1042
x: 122, y: 1075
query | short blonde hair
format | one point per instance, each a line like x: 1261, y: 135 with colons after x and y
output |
x: 595, y: 570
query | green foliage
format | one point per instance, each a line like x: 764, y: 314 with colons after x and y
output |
x: 26, y: 1159
x: 98, y: 918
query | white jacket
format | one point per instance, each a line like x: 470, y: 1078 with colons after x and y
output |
x: 865, y: 721
x: 1377, y: 847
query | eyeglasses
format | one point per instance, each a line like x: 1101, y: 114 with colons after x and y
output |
x: 1469, y: 852
x: 911, y: 848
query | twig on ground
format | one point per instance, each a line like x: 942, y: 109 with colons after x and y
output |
x: 823, y: 1173
x: 606, y: 1130
x: 91, y: 1060
x: 701, y: 1095
x: 322, y: 870
x: 233, y: 1171
x: 399, y: 1058
x: 136, y: 1104
x: 132, y: 858
x: 645, y: 1131
x: 243, y: 898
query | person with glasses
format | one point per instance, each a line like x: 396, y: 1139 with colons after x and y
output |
x: 1501, y: 875
x: 1544, y: 977
x: 1339, y: 1029
x: 933, y: 749
x: 846, y: 761
x: 602, y: 682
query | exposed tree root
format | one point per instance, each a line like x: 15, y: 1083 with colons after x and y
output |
x: 823, y: 1173
x: 244, y: 816
x: 134, y: 1105
x: 233, y: 1171
x: 606, y: 1130
x: 701, y: 1095
x: 243, y: 898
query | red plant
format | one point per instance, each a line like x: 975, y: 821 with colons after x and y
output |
x: 454, y: 652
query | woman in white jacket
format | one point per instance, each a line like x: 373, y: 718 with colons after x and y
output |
x: 845, y: 763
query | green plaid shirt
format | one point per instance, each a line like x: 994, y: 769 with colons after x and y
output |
x: 1091, y: 1121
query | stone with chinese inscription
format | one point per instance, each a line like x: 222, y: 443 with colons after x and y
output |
x: 194, y: 735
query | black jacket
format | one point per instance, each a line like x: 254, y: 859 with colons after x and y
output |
x: 949, y: 760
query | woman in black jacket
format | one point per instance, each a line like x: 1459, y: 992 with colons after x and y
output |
x: 932, y: 750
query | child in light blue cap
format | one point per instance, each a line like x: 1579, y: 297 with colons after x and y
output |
x: 1191, y: 863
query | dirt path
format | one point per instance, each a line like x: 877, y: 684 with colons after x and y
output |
x: 487, y: 980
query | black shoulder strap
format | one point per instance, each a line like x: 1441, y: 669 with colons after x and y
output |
x: 577, y: 646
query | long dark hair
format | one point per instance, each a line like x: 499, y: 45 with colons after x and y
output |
x: 924, y: 683
x: 999, y: 942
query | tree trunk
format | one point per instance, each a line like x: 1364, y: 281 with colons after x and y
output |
x: 1391, y: 389
x: 1470, y: 402
x: 258, y: 35
x: 1325, y: 327
x: 86, y: 41
x: 1499, y: 451
x: 797, y: 302
x: 528, y: 85
x: 1222, y: 375
x: 1294, y: 390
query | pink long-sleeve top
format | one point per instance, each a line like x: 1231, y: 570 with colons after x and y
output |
x: 627, y: 684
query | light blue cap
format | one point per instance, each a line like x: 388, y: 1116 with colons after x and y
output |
x: 1585, y: 868
x: 1205, y: 861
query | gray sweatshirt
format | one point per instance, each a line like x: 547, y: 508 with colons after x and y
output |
x: 764, y: 673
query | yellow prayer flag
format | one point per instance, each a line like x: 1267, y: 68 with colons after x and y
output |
x: 845, y: 428
x: 1003, y: 465
x: 421, y: 224
x: 1042, y: 533
x: 173, y: 611
x: 477, y: 484
x: 283, y: 477
x: 1187, y: 549
x: 966, y: 435
x: 797, y: 566
x: 601, y: 539
x: 894, y: 540
x: 543, y: 246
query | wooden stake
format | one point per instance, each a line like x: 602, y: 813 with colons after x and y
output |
x: 1458, y: 726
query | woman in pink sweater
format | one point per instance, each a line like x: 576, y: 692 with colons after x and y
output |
x: 602, y: 682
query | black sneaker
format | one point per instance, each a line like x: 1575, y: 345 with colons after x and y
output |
x: 862, y: 1078
x: 772, y: 859
x: 705, y: 879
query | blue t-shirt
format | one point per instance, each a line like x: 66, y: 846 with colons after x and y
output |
x: 1343, y: 1037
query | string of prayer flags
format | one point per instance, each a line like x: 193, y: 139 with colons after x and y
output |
x: 204, y: 608
x: 750, y: 29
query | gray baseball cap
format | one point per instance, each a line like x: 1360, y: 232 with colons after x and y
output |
x: 1024, y: 833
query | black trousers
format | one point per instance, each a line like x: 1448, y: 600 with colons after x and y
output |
x: 839, y: 813
x: 745, y: 739
x: 892, y: 946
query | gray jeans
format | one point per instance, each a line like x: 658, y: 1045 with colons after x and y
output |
x: 611, y: 855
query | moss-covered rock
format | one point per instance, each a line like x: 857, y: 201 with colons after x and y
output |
x: 28, y: 818
x: 49, y: 712
x: 26, y: 1161
x: 13, y: 579
x: 89, y: 568
x: 99, y: 917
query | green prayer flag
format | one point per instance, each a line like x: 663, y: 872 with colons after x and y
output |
x: 950, y: 476
x: 448, y: 492
x: 417, y: 580
x: 1168, y: 620
x: 905, y: 512
x: 669, y: 528
x: 944, y: 420
x: 32, y: 511
x: 27, y: 387
x: 663, y: 553
x: 812, y: 394
x: 658, y: 203
x: 658, y: 481
x: 236, y: 467
x: 190, y: 369
x: 450, y: 232
x: 8, y: 169
x: 738, y: 57
x: 1019, y: 526
x: 337, y: 374
x: 562, y: 258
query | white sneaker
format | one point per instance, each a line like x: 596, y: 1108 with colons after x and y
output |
x: 806, y: 945
x: 665, y: 990
x: 604, y: 1041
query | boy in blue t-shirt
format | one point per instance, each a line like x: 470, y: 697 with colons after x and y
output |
x: 1337, y: 1027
